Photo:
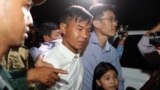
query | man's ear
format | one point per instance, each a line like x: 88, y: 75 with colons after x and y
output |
x: 45, y: 38
x: 96, y: 23
x: 63, y: 28
x: 98, y: 83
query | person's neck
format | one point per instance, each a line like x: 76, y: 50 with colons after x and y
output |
x: 102, y: 39
x: 3, y: 49
x: 70, y: 48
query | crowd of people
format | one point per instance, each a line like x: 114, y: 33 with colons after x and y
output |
x: 74, y: 55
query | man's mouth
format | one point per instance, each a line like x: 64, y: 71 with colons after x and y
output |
x: 27, y: 29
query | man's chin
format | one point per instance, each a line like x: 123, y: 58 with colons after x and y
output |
x: 25, y: 36
x: 113, y: 34
x: 17, y: 45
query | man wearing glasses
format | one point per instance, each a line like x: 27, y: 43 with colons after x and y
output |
x: 99, y: 49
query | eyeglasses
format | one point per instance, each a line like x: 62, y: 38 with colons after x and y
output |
x: 110, y: 19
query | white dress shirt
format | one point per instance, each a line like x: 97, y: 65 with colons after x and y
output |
x: 61, y: 57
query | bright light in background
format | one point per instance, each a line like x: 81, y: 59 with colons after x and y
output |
x: 95, y: 1
x: 88, y: 3
x: 102, y: 1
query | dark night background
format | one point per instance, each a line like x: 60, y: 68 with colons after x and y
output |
x: 138, y: 14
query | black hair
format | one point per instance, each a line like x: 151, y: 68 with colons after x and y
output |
x: 75, y: 12
x: 46, y: 29
x: 33, y: 39
x: 99, y: 71
x: 98, y: 9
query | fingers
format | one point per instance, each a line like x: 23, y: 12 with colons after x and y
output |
x: 39, y: 57
x: 53, y: 77
x: 59, y: 71
x: 40, y: 63
x: 51, y: 82
x: 38, y: 60
x: 48, y: 76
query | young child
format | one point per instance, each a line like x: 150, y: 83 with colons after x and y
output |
x: 105, y: 77
x: 48, y: 34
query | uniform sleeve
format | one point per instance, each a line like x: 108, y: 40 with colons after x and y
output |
x: 19, y: 78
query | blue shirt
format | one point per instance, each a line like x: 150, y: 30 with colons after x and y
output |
x: 93, y: 55
x: 119, y: 50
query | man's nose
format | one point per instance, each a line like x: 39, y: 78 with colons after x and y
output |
x: 29, y: 19
x: 85, y: 34
x: 27, y: 16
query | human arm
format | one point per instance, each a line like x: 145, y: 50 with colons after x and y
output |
x: 120, y: 44
x: 144, y: 46
x: 44, y: 73
x: 34, y: 51
x: 40, y: 63
x: 149, y: 51
x: 119, y: 50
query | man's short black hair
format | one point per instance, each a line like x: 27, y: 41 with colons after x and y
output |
x: 98, y: 9
x: 75, y: 12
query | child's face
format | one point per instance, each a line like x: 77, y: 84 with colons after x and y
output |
x: 109, y: 81
x: 55, y: 34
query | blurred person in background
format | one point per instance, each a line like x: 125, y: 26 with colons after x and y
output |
x: 48, y: 34
x: 149, y: 47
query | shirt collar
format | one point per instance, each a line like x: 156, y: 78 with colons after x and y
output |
x: 69, y: 55
x: 94, y: 40
x: 107, y: 48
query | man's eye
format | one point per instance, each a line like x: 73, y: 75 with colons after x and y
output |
x: 80, y: 29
